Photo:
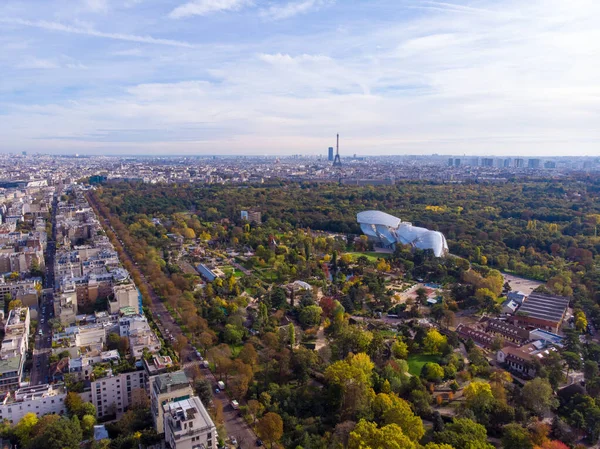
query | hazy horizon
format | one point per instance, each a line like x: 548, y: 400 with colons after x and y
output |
x: 259, y: 77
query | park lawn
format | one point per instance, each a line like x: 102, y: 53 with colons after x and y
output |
x: 416, y: 362
x: 371, y: 255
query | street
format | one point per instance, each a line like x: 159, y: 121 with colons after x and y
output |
x: 43, y: 343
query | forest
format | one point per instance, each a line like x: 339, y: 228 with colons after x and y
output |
x: 374, y: 386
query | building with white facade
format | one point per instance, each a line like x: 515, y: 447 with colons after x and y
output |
x: 187, y: 425
x: 39, y: 399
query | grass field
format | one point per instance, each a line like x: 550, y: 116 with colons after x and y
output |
x: 416, y: 362
x: 372, y: 256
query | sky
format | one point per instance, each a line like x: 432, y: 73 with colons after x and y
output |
x: 242, y: 77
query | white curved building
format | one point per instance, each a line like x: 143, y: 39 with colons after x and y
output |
x: 389, y: 230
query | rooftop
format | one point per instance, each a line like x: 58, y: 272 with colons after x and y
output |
x: 171, y: 381
x: 544, y: 307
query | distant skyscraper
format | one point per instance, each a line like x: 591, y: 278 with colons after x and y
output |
x: 519, y: 163
x: 487, y: 162
x: 533, y: 163
x: 330, y: 158
x: 549, y: 164
x: 457, y: 162
x: 24, y: 153
x: 450, y: 162
x: 507, y: 162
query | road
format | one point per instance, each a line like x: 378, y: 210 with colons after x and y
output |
x: 234, y: 424
x: 43, y: 343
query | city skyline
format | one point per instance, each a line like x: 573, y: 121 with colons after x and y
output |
x: 251, y: 77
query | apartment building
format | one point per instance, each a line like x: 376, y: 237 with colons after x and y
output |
x: 164, y: 388
x: 39, y: 399
x: 187, y: 425
x: 14, y: 348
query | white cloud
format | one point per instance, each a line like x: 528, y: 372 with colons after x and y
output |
x: 57, y: 26
x: 204, y: 7
x: 96, y: 5
x: 280, y: 12
x: 35, y: 63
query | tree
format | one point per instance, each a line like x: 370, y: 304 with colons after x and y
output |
x: 390, y: 409
x: 538, y: 396
x: 180, y: 342
x: 254, y: 408
x: 292, y: 335
x: 87, y: 425
x: 73, y: 403
x: 367, y: 435
x: 515, y: 436
x: 432, y: 372
x: 572, y: 360
x: 352, y: 377
x: 15, y: 304
x: 434, y: 341
x: 400, y: 349
x: 248, y: 355
x: 63, y: 433
x: 421, y: 295
x: 233, y: 334
x: 24, y: 428
x: 270, y: 428
x: 310, y: 316
x: 203, y: 390
x: 552, y: 444
x: 580, y: 321
x: 464, y: 433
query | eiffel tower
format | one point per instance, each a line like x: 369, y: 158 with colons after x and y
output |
x: 337, y: 162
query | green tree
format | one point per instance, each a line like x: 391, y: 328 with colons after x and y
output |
x: 87, y: 426
x: 432, y: 372
x: 63, y: 433
x: 390, y: 409
x: 24, y: 428
x: 434, y: 341
x: 515, y: 436
x: 400, y: 349
x: 352, y: 377
x: 292, y: 335
x: 367, y: 435
x: 537, y: 396
x: 310, y: 316
x: 233, y: 335
x: 464, y: 433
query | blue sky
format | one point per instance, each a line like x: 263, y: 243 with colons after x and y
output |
x: 283, y: 77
